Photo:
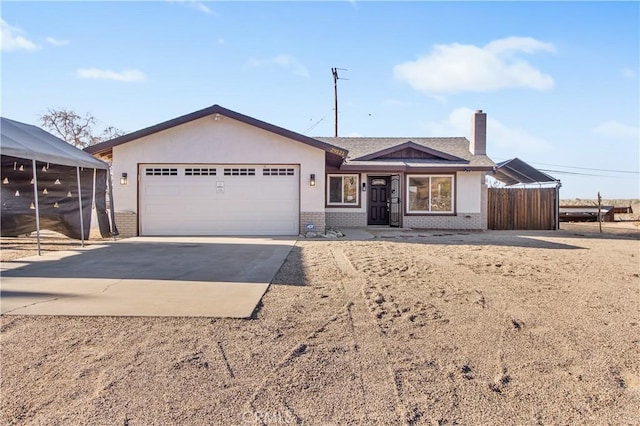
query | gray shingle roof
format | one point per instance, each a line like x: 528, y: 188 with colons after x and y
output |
x: 453, y: 146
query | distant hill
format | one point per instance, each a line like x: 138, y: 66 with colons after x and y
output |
x: 605, y: 202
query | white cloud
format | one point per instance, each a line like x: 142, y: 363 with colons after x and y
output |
x: 628, y: 73
x: 11, y: 38
x: 287, y: 62
x: 127, y: 76
x: 56, y: 42
x: 194, y: 4
x: 519, y: 44
x: 503, y: 139
x: 467, y: 68
x: 617, y: 131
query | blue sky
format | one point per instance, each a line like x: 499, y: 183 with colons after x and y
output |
x: 560, y: 81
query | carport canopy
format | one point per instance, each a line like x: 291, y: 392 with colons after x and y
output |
x: 515, y: 171
x: 38, y: 169
x: 30, y: 142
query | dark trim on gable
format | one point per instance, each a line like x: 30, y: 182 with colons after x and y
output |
x: 412, y: 145
x: 217, y: 109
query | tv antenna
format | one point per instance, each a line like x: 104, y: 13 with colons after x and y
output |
x: 334, y: 71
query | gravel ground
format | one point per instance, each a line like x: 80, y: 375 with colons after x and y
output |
x: 407, y: 328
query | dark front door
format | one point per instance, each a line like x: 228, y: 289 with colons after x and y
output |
x: 378, y: 201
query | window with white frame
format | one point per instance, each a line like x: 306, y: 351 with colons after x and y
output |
x: 342, y: 190
x: 430, y: 194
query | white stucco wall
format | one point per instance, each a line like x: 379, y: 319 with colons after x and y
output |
x: 468, y: 194
x: 225, y: 141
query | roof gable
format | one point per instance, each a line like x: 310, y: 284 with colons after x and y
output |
x: 334, y: 153
x: 409, y: 151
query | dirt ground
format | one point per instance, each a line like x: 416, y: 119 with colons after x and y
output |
x: 408, y: 328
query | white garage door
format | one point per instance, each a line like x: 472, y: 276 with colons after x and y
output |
x: 210, y: 199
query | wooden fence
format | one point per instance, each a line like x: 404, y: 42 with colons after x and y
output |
x: 522, y: 208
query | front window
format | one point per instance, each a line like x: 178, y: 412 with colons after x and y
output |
x: 430, y: 194
x: 342, y: 190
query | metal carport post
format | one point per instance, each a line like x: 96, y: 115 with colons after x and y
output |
x: 37, y: 205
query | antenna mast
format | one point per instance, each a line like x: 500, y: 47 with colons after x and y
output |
x: 334, y: 71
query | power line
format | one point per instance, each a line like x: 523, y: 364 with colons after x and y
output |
x: 576, y: 173
x: 314, y: 125
x: 586, y: 168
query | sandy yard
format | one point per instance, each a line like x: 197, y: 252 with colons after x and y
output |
x: 408, y: 328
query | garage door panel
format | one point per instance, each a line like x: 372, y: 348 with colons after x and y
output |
x: 219, y: 200
x: 160, y: 189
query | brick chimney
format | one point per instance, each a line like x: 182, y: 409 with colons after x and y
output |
x: 478, y: 144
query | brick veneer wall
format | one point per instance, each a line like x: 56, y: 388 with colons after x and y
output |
x: 460, y: 221
x: 317, y: 218
x: 127, y: 224
x: 346, y: 219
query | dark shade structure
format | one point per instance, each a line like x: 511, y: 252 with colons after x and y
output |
x: 49, y: 184
x: 516, y: 171
x: 531, y: 206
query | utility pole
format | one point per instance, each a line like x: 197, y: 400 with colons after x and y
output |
x: 600, y: 212
x: 334, y: 71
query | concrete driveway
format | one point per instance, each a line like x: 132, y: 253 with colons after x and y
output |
x: 146, y: 276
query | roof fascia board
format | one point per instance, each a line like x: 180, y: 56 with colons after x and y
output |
x: 333, y: 160
x: 408, y: 169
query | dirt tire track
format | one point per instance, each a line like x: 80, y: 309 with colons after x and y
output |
x: 300, y: 347
x: 556, y: 337
x: 368, y: 319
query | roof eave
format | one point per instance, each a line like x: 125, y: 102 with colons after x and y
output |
x: 405, y: 168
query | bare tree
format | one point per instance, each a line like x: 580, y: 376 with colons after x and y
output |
x: 74, y: 129
x: 108, y: 133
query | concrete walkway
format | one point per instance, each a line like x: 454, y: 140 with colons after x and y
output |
x: 146, y: 276
x: 372, y: 232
